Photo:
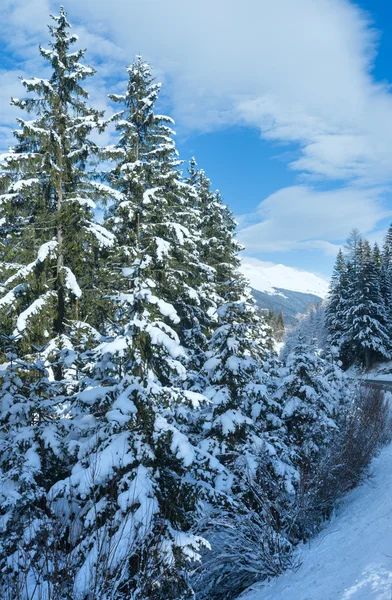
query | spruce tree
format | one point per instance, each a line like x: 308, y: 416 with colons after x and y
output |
x: 155, y: 209
x: 367, y: 331
x: 334, y: 312
x: 135, y: 490
x: 48, y: 262
x: 50, y: 240
x: 308, y: 404
x: 32, y: 427
x: 242, y: 425
x: 280, y: 328
x: 386, y: 274
x: 235, y: 350
x: 240, y: 371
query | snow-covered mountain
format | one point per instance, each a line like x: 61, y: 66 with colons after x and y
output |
x: 283, y: 289
x: 269, y: 278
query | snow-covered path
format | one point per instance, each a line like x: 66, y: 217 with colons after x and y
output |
x: 351, y: 559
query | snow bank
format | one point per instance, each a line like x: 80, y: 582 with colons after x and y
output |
x: 351, y: 558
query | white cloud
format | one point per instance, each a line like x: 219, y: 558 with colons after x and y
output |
x: 301, y: 218
x: 299, y: 71
x: 22, y: 25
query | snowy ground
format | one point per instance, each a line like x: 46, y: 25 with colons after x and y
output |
x: 380, y: 372
x: 351, y: 559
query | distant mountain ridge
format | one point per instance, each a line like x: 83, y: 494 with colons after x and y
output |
x: 283, y: 289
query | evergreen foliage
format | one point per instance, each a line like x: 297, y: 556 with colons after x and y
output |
x: 50, y: 242
x: 146, y: 424
x: 308, y: 403
x: 136, y: 463
x: 358, y: 309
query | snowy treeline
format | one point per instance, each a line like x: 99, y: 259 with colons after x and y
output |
x: 276, y: 323
x: 145, y: 423
x: 359, y: 310
x: 355, y: 322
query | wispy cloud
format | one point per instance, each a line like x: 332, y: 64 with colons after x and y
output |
x: 299, y: 71
x: 301, y: 218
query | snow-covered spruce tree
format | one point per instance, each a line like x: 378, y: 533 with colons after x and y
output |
x: 218, y: 250
x: 134, y: 494
x: 32, y: 556
x: 49, y: 251
x: 312, y: 402
x: 386, y: 274
x: 367, y: 331
x: 318, y: 399
x: 242, y: 425
x: 50, y: 243
x: 238, y: 346
x: 335, y: 308
x: 308, y: 404
x: 376, y: 256
x: 240, y: 372
x: 218, y: 247
x: 155, y: 210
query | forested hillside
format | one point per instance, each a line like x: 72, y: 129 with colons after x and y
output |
x: 283, y: 289
x: 359, y: 312
x: 152, y: 445
x: 355, y: 322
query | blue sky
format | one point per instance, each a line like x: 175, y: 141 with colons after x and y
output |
x: 286, y: 105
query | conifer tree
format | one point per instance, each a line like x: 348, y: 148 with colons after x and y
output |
x: 31, y: 453
x: 334, y: 313
x: 155, y: 211
x: 236, y: 375
x: 138, y: 469
x: 386, y: 274
x: 280, y: 328
x: 242, y: 425
x: 356, y: 314
x: 367, y: 333
x: 48, y: 259
x: 376, y: 256
x: 50, y: 240
x: 308, y: 404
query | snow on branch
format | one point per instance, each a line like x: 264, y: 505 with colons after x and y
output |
x: 180, y: 445
x: 44, y: 251
x: 17, y: 186
x: 107, y: 190
x: 180, y: 231
x: 83, y: 201
x: 105, y: 238
x: 12, y: 295
x: 71, y: 283
x: 32, y: 310
x: 149, y: 195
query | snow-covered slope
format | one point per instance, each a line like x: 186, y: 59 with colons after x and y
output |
x: 351, y: 559
x: 268, y: 278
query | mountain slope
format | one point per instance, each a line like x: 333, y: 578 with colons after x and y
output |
x: 283, y: 289
x: 351, y: 558
x: 291, y: 304
x: 268, y: 278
